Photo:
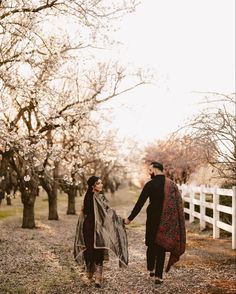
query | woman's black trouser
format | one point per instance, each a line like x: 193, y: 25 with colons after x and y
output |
x: 156, y: 259
x: 94, y: 256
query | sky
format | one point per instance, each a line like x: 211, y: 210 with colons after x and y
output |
x: 191, y: 47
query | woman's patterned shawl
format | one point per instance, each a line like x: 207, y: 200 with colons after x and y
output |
x: 109, y: 232
x: 171, y: 234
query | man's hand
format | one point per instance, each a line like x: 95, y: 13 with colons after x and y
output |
x: 126, y: 221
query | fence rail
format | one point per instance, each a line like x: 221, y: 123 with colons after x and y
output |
x: 206, y: 197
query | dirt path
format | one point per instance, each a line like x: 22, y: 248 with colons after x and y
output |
x: 41, y: 261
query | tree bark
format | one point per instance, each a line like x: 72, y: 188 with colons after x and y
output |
x: 52, y: 205
x: 28, y: 215
x: 52, y: 196
x: 71, y: 201
x: 8, y: 200
x: 50, y: 187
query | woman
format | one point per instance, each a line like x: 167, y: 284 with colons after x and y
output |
x: 99, y: 228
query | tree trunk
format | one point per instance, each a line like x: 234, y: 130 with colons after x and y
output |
x: 71, y: 201
x: 52, y: 203
x: 28, y: 196
x: 52, y: 196
x: 50, y: 187
x: 8, y: 198
x: 28, y: 215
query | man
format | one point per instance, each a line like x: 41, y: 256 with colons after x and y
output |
x: 165, y: 226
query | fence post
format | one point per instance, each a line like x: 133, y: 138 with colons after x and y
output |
x: 202, y: 209
x: 234, y: 218
x: 191, y: 205
x: 216, y: 214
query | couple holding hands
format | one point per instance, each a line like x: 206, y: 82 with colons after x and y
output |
x: 100, y: 230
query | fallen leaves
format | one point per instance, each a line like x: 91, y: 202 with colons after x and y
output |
x: 40, y: 261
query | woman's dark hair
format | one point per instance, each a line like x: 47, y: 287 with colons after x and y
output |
x: 92, y: 180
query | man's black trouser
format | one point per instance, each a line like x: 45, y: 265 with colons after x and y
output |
x: 156, y: 259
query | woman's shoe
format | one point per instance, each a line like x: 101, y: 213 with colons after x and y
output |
x: 152, y: 274
x: 98, y: 276
x: 89, y: 275
x: 90, y: 271
x: 158, y: 281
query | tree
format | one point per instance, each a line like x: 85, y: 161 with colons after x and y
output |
x: 215, y: 127
x: 27, y: 177
x: 181, y: 155
x: 46, y: 91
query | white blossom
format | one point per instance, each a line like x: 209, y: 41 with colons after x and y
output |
x: 27, y: 178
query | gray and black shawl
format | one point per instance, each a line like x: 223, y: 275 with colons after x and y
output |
x: 109, y: 232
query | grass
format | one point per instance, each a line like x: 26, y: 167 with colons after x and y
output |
x: 8, y: 213
x: 15, y: 209
x: 41, y: 206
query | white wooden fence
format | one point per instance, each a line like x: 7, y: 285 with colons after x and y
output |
x: 209, y: 198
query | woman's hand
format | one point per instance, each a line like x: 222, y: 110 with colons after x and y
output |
x: 126, y: 221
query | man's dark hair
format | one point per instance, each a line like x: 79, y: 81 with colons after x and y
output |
x: 158, y: 165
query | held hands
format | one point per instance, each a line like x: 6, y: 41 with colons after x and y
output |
x: 126, y: 221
